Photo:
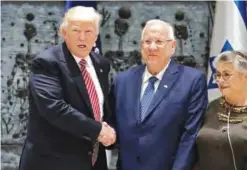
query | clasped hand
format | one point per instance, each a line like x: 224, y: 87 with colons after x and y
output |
x: 107, y: 135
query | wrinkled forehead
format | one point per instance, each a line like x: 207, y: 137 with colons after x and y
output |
x: 156, y: 31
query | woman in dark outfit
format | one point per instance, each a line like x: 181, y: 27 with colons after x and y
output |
x: 222, y: 141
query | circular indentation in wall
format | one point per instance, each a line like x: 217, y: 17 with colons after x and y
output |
x: 3, y: 39
x: 29, y: 16
x: 134, y: 42
x: 21, y: 116
x: 121, y: 26
x: 14, y: 136
x: 179, y: 15
x: 12, y: 24
x: 157, y: 17
x: 107, y: 36
x: 21, y: 45
x: 124, y: 12
x: 202, y: 35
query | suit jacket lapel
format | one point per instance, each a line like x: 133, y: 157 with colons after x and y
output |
x: 136, y: 83
x: 75, y: 73
x: 165, y: 86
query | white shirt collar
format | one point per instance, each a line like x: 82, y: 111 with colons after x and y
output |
x: 87, y: 58
x: 159, y: 76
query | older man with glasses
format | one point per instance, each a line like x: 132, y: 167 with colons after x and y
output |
x: 159, y: 106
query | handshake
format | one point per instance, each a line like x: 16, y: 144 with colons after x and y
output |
x: 107, y: 135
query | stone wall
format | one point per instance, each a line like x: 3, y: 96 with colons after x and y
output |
x: 30, y: 27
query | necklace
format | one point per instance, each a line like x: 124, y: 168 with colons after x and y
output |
x: 238, y: 113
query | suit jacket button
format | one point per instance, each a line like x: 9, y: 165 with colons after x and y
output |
x: 90, y: 153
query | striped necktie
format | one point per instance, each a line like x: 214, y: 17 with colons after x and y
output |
x: 94, y: 100
x: 147, y: 97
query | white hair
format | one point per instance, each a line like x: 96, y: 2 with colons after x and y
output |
x: 81, y: 13
x: 159, y: 23
x: 237, y: 58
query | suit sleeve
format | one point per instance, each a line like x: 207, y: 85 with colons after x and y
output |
x: 46, y: 89
x: 112, y: 104
x: 185, y: 156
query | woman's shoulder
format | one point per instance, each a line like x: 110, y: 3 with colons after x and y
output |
x: 212, y: 110
x: 214, y: 105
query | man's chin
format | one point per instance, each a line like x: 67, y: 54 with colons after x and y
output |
x: 152, y: 62
x: 82, y: 53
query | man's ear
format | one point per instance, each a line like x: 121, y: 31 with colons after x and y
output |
x: 174, y: 45
x: 64, y: 33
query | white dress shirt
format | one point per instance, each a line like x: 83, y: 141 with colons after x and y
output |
x: 94, y: 77
x: 147, y: 75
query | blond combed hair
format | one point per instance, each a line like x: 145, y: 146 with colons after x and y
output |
x: 81, y: 13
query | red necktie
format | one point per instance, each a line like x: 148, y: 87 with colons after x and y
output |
x: 94, y: 100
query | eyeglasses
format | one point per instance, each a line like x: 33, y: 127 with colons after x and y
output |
x: 225, y: 76
x: 157, y: 42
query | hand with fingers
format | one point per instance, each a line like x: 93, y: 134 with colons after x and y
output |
x: 107, y: 135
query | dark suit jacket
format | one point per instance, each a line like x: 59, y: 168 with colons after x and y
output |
x: 61, y: 129
x: 165, y: 139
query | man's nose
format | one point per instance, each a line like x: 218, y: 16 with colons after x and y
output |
x: 153, y: 46
x: 82, y: 36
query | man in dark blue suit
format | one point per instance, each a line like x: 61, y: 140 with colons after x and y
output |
x: 68, y: 92
x: 159, y: 106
